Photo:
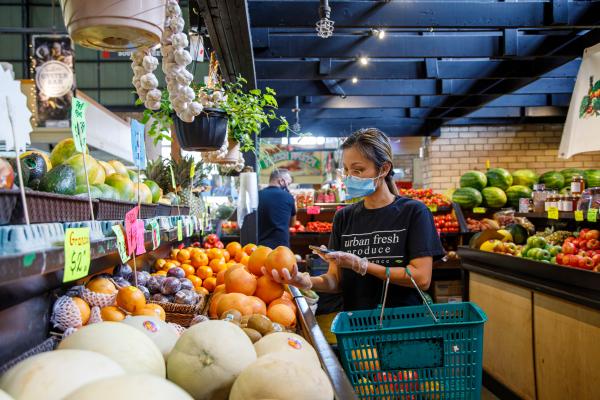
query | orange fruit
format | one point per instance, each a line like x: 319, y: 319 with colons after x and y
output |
x: 194, y: 250
x: 217, y: 264
x: 287, y: 295
x: 112, y: 313
x: 237, y: 257
x: 101, y: 285
x: 202, y: 291
x: 221, y: 276
x: 214, y: 253
x: 282, y: 314
x: 226, y: 255
x: 84, y: 309
x: 257, y: 259
x: 152, y: 310
x: 258, y: 306
x: 245, y: 259
x: 196, y: 281
x: 239, y: 280
x: 267, y: 289
x: 174, y: 253
x: 249, y: 248
x: 177, y: 263
x: 159, y: 264
x: 199, y: 260
x: 234, y: 301
x: 183, y: 255
x: 189, y: 270
x: 131, y: 299
x: 168, y: 265
x: 210, y: 283
x: 281, y: 258
x: 161, y: 272
x: 204, y: 272
x: 219, y: 289
x: 281, y: 300
x: 214, y: 303
x: 233, y: 247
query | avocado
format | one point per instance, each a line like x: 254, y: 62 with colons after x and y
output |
x: 37, y: 165
x: 24, y: 168
x: 34, y: 184
x: 60, y: 179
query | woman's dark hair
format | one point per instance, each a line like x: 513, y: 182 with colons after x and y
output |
x: 375, y: 146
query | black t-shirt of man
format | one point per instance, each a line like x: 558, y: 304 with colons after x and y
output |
x: 401, y: 231
x: 275, y: 209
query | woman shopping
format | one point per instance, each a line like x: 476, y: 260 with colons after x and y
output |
x: 383, y: 230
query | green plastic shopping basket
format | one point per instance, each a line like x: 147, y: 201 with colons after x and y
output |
x: 418, y: 352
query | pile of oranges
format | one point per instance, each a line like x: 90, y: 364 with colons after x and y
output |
x: 205, y: 267
x: 241, y: 286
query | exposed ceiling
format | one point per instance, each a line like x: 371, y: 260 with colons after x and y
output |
x: 440, y: 62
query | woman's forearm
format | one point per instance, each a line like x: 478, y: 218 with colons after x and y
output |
x: 420, y: 273
x: 326, y: 283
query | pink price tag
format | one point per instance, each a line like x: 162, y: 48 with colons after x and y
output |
x: 338, y: 208
x: 313, y: 210
x: 140, y: 247
x: 130, y: 226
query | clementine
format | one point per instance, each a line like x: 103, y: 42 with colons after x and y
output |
x: 199, y: 260
x: 282, y: 314
x: 226, y: 255
x: 204, y: 272
x: 267, y: 289
x: 131, y: 299
x: 245, y: 259
x: 257, y: 259
x: 202, y: 291
x: 159, y: 264
x: 214, y: 253
x: 152, y: 310
x: 233, y: 247
x: 240, y: 281
x: 183, y: 255
x: 196, y: 280
x: 210, y: 283
x: 189, y: 270
x: 112, y: 313
x: 249, y: 248
x: 217, y: 264
x: 84, y: 309
x: 101, y: 285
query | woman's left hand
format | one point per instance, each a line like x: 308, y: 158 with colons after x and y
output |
x: 348, y: 260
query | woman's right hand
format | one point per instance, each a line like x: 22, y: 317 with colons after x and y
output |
x: 300, y: 280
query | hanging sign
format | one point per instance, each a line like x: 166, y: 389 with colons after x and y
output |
x: 78, y: 126
x: 138, y: 146
x: 155, y: 234
x: 77, y: 253
x: 179, y: 230
x: 313, y: 210
x: 121, y: 246
x: 130, y: 227
x: 140, y: 247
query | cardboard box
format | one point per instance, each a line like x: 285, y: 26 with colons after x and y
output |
x: 448, y: 299
x: 447, y: 288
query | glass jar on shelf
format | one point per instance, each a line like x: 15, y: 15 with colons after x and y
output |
x: 539, y: 197
x: 577, y: 184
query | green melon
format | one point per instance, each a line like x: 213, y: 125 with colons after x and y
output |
x: 493, y: 197
x: 569, y: 173
x: 592, y: 177
x: 155, y: 189
x: 95, y: 192
x: 63, y: 150
x: 145, y: 193
x: 133, y: 175
x: 118, y: 167
x: 473, y: 179
x: 553, y: 180
x: 525, y: 177
x: 514, y: 193
x: 96, y: 173
x: 499, y: 177
x: 467, y: 197
x: 108, y: 192
x: 123, y: 186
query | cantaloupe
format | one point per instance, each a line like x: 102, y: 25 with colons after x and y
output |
x: 54, y: 374
x: 281, y: 376
x: 130, y: 348
x: 208, y: 357
x: 162, y: 334
x: 130, y: 387
x: 288, y: 343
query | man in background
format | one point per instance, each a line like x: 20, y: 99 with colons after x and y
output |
x: 276, y: 210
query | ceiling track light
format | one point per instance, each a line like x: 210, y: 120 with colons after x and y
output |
x: 363, y: 60
x: 324, y: 26
x: 354, y: 79
x: 380, y: 33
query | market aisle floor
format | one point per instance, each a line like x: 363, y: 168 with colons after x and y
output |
x: 487, y: 395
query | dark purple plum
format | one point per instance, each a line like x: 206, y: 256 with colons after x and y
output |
x: 176, y: 272
x: 121, y: 282
x: 153, y: 284
x: 188, y: 297
x: 161, y: 298
x: 123, y: 270
x: 186, y: 284
x: 170, y: 285
x: 144, y: 290
x: 142, y: 278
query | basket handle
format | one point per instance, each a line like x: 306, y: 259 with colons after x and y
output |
x: 425, y: 301
x: 384, y: 295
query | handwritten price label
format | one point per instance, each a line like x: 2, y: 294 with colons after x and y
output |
x: 313, y: 210
x: 121, y: 246
x: 140, y: 247
x: 479, y: 210
x: 138, y: 146
x: 78, y: 125
x: 77, y: 253
x: 130, y: 219
x: 155, y: 234
x: 592, y: 214
x: 179, y: 230
x: 552, y: 213
x: 578, y: 215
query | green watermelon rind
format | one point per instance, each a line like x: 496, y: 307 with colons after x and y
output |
x: 467, y: 197
x: 568, y: 174
x: 516, y: 192
x: 553, y: 180
x: 493, y: 197
x: 499, y: 177
x: 473, y: 179
x: 525, y: 177
x: 592, y: 177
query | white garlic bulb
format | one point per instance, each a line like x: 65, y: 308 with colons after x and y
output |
x: 138, y: 56
x: 184, y: 77
x: 154, y: 95
x: 182, y: 57
x: 176, y: 24
x: 149, y: 81
x: 150, y: 63
x: 138, y: 70
x: 180, y: 40
x: 195, y: 108
x: 187, y: 93
x: 152, y: 105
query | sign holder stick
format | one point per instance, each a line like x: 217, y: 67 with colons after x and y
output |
x: 87, y: 179
x: 20, y: 172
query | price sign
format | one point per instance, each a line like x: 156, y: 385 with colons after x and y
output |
x: 140, y: 247
x: 190, y: 227
x: 121, y: 246
x: 172, y: 177
x: 432, y: 207
x: 130, y: 226
x: 155, y: 234
x: 578, y: 215
x: 553, y: 213
x: 592, y: 214
x: 192, y: 172
x: 77, y: 253
x: 138, y: 146
x: 479, y: 210
x: 179, y: 230
x: 313, y: 210
x: 78, y: 126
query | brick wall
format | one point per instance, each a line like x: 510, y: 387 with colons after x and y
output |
x: 405, y: 162
x: 460, y: 149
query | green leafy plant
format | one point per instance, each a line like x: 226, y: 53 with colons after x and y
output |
x: 161, y: 119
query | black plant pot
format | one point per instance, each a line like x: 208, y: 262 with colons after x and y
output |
x: 206, y: 133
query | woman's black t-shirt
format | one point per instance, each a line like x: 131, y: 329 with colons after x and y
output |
x: 401, y: 231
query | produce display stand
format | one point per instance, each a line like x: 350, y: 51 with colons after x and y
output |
x: 28, y: 282
x: 542, y: 318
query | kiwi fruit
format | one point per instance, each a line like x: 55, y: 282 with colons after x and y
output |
x: 245, y: 319
x: 260, y: 323
x: 254, y: 335
x: 232, y: 316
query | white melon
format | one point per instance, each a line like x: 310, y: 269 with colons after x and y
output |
x: 162, y: 334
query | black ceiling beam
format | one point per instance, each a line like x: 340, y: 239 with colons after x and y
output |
x: 229, y: 31
x: 482, y: 44
x: 507, y: 100
x: 425, y: 14
x: 333, y: 87
x: 350, y: 102
x: 383, y: 87
x: 408, y: 69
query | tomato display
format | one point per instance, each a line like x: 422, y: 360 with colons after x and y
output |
x: 446, y: 223
x: 427, y: 196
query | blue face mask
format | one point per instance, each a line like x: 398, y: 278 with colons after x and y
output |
x: 359, y: 187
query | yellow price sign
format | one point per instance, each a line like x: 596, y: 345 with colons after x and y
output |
x: 77, y: 253
x: 179, y: 230
x: 479, y: 210
x: 578, y: 215
x: 121, y: 247
x: 553, y: 213
x: 592, y: 214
